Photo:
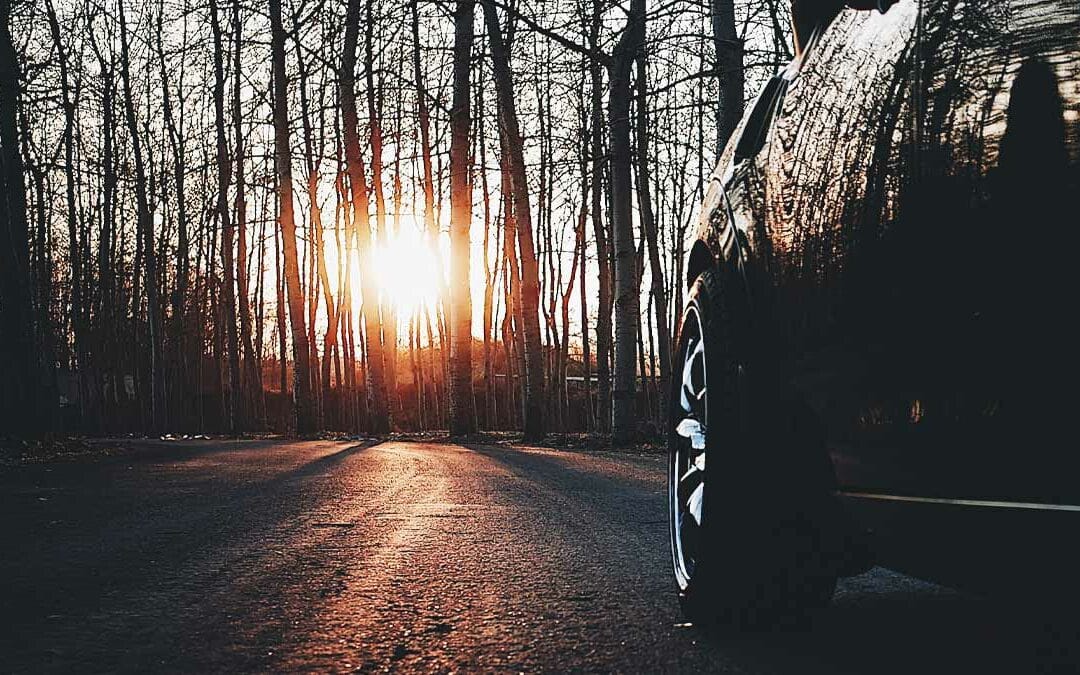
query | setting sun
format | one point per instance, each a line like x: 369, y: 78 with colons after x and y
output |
x: 406, y: 268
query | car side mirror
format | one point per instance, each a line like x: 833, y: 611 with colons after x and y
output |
x: 752, y: 138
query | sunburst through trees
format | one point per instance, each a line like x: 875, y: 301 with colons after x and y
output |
x: 356, y: 215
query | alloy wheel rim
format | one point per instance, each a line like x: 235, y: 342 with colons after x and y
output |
x: 686, y: 484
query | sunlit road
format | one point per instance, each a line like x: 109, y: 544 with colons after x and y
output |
x: 321, y: 556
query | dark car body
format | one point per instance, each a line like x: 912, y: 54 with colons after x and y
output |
x: 901, y: 206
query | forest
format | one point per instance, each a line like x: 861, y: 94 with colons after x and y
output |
x: 225, y: 216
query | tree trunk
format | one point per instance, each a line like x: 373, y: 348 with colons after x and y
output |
x: 389, y: 315
x: 319, y: 276
x: 260, y: 316
x: 345, y: 253
x: 145, y: 228
x: 182, y: 385
x: 534, y: 425
x: 311, y: 286
x: 75, y: 254
x: 648, y: 223
x: 19, y: 391
x: 435, y: 396
x: 564, y: 357
x: 415, y: 371
x: 623, y: 416
x: 729, y: 68
x: 376, y: 387
x: 462, y: 413
x: 221, y: 205
x: 600, y: 232
x: 332, y: 313
x: 302, y: 398
x: 431, y: 209
x: 423, y: 120
x: 251, y: 375
x: 586, y: 355
x: 511, y: 325
x: 489, y: 276
x: 283, y: 366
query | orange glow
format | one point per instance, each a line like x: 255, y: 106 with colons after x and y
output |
x: 406, y: 269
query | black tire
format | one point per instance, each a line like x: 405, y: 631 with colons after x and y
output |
x: 747, y: 551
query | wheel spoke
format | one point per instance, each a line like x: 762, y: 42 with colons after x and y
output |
x: 690, y: 398
x: 698, y: 464
x: 686, y: 391
x: 694, y: 506
x: 695, y: 403
x: 690, y: 480
x: 694, y: 430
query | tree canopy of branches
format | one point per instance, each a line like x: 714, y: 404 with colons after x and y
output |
x: 357, y: 215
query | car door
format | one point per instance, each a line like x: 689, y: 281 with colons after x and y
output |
x: 990, y: 363
x: 911, y: 211
x: 819, y: 202
x: 913, y: 218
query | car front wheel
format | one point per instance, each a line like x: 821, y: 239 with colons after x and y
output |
x: 744, y: 546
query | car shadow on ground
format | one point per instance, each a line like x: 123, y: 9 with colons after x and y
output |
x: 883, y: 622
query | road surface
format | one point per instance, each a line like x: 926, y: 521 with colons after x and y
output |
x: 325, y: 556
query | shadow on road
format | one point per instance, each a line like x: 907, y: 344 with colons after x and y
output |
x: 553, y: 467
x: 90, y: 530
x: 237, y: 548
x: 880, y: 622
x: 885, y: 623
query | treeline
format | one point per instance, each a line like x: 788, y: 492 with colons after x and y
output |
x: 197, y: 197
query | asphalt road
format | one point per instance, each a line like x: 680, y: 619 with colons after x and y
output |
x: 323, y: 556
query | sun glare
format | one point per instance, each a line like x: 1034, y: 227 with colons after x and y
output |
x: 406, y: 269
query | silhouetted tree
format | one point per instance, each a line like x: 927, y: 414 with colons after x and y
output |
x: 303, y: 405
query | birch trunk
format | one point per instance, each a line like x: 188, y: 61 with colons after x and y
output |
x: 648, y: 223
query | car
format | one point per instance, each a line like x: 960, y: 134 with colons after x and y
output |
x: 877, y: 360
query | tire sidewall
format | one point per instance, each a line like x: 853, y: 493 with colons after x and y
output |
x: 723, y: 435
x: 750, y: 569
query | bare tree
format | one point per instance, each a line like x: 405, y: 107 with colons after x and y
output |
x: 19, y: 394
x: 147, y: 134
x: 648, y: 224
x: 228, y: 265
x: 376, y: 387
x: 303, y: 404
x: 729, y: 67
x: 489, y: 272
x: 462, y: 412
x: 77, y: 317
x: 146, y: 235
x: 627, y: 290
x: 530, y: 287
x: 375, y: 134
x: 251, y: 373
